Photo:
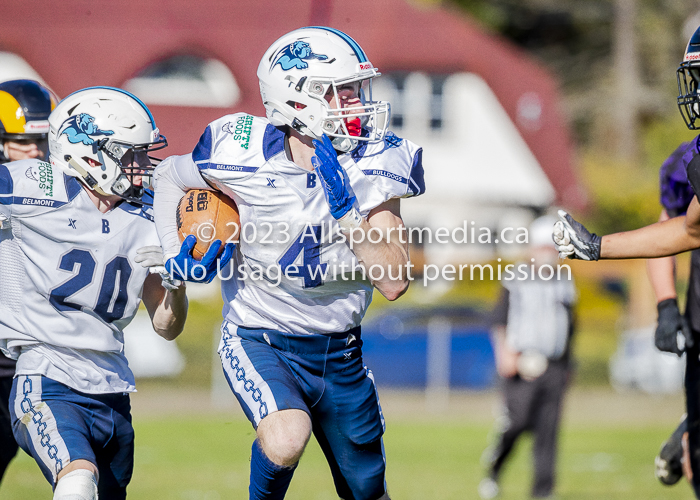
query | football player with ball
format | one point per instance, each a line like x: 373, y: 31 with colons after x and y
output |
x: 320, y: 168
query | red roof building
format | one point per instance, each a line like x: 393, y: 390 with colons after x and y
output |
x: 431, y: 54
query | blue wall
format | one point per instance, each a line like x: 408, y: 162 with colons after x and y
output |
x: 399, y: 358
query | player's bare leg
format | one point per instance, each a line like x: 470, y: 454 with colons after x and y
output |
x: 78, y: 464
x: 283, y: 436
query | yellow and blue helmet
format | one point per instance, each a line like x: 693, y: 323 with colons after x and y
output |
x: 25, y: 106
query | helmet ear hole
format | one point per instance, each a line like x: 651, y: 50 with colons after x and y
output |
x: 92, y: 162
x: 296, y: 105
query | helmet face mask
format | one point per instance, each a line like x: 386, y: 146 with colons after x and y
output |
x: 688, y: 77
x: 103, y: 135
x: 345, y: 125
x: 303, y: 70
x: 135, y: 165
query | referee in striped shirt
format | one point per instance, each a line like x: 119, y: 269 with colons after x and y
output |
x: 532, y: 328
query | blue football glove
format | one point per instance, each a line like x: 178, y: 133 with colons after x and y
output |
x: 185, y: 267
x: 333, y: 178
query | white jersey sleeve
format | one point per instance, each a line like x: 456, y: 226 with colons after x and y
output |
x: 172, y: 179
x: 229, y: 151
x: 380, y: 171
x: 178, y: 174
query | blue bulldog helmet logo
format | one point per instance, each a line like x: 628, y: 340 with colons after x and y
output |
x: 82, y: 128
x: 295, y: 55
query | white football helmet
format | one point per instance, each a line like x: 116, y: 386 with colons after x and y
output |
x: 688, y: 76
x: 106, y: 125
x: 297, y: 72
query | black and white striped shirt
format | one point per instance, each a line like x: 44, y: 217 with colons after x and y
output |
x: 537, y: 315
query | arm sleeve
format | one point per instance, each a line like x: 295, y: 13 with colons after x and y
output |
x: 172, y: 179
x: 401, y: 173
x: 676, y: 192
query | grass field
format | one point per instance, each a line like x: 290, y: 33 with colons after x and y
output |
x: 203, y: 455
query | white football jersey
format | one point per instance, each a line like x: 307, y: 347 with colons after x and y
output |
x: 293, y: 270
x: 68, y: 281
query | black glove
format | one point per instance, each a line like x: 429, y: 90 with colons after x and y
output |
x: 573, y: 240
x: 672, y: 332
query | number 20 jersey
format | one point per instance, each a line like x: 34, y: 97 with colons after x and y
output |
x: 288, y: 228
x: 68, y: 280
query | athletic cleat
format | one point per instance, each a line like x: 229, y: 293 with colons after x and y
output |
x: 667, y: 464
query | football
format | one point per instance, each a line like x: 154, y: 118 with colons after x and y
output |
x: 209, y: 215
x: 531, y: 364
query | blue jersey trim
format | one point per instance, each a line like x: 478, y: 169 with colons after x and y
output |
x: 392, y: 140
x: 145, y: 108
x: 387, y: 174
x: 359, y: 152
x: 223, y: 166
x: 416, y: 182
x: 147, y: 197
x: 361, y: 57
x: 6, y: 184
x: 273, y: 141
x: 202, y: 151
x: 72, y: 185
x: 138, y: 210
x: 21, y: 200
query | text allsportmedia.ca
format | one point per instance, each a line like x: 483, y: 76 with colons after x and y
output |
x: 280, y: 232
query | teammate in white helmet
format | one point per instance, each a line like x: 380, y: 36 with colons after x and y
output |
x: 76, y: 245
x: 320, y: 170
